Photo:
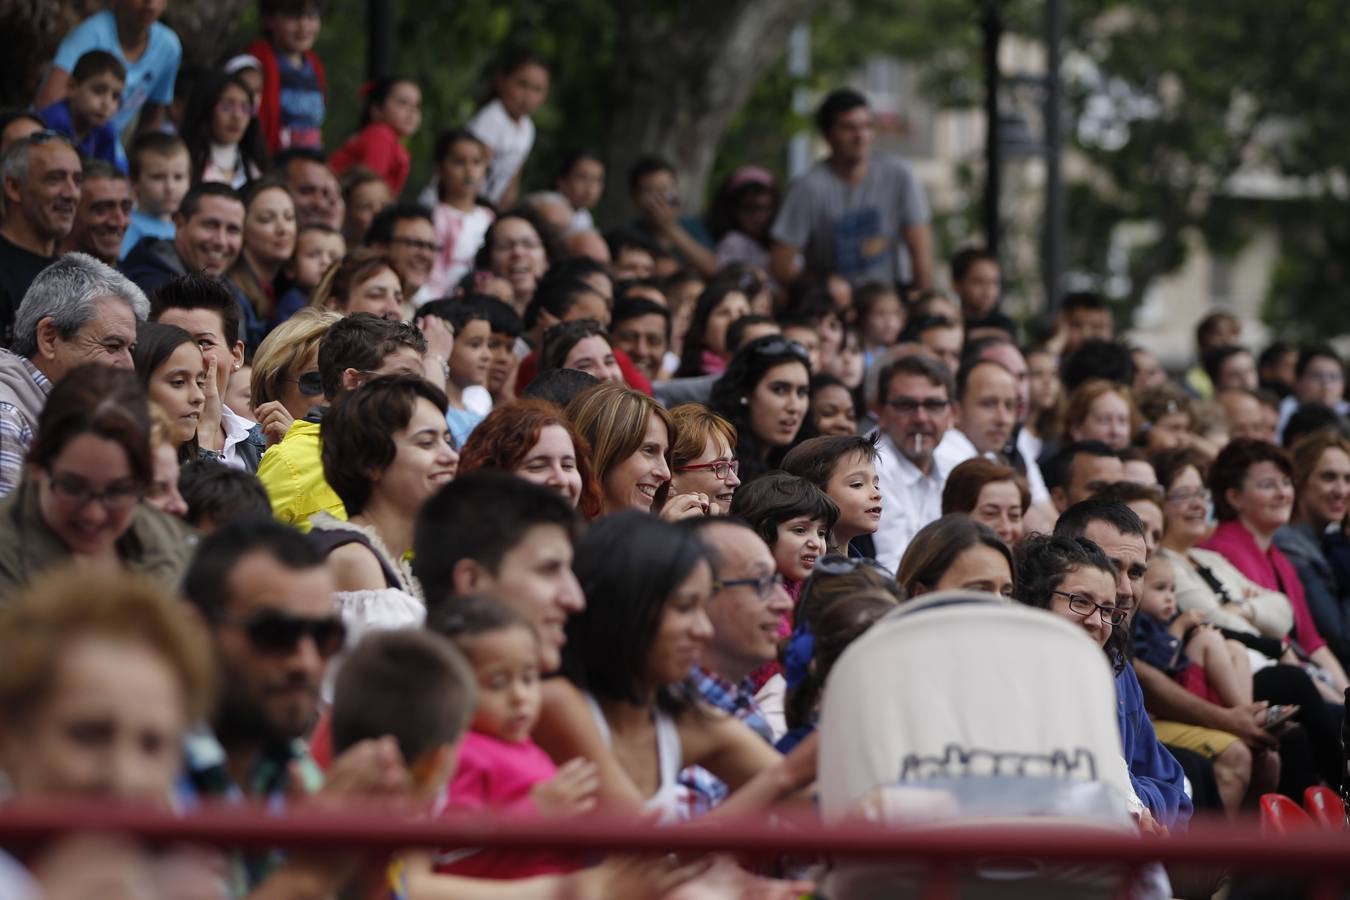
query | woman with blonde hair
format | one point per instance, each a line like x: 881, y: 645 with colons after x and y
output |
x: 1101, y: 410
x: 630, y: 436
x: 703, y: 457
x: 285, y: 384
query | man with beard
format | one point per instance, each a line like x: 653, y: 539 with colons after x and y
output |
x: 268, y: 599
x: 104, y: 213
x: 41, y: 181
x: 914, y: 404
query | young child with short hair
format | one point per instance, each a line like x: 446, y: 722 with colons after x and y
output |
x: 581, y: 179
x: 500, y: 768
x: 160, y: 177
x: 461, y: 221
x: 845, y: 468
x: 86, y: 114
x: 468, y: 364
x: 1195, y: 654
x: 416, y: 687
x: 881, y: 318
x: 317, y: 248
x: 291, y: 106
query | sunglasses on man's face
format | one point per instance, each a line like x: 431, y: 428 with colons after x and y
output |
x: 271, y: 631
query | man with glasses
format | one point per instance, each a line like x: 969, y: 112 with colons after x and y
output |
x: 41, y: 177
x: 76, y: 311
x: 268, y: 599
x: 407, y: 235
x: 914, y: 405
x: 746, y: 609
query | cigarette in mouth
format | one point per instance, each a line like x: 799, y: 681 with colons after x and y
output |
x: 918, y: 442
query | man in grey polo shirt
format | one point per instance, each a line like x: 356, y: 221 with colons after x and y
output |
x: 862, y: 216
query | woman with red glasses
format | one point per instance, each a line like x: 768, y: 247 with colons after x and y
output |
x: 703, y: 458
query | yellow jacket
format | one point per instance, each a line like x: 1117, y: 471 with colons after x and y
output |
x: 292, y: 473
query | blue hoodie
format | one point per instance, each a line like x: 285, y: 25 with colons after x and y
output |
x: 1154, y: 772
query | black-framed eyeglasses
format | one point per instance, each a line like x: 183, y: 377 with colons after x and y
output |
x: 720, y: 469
x: 1085, y: 606
x: 415, y: 244
x: 117, y: 497
x: 908, y: 406
x: 272, y: 631
x: 310, y: 383
x: 764, y: 587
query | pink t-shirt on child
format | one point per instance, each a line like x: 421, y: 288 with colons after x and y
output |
x: 498, y: 776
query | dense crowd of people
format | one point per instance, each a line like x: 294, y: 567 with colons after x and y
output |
x: 313, y: 492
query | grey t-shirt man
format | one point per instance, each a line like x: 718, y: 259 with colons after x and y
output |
x: 854, y: 229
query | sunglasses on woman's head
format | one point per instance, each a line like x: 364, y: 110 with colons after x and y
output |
x: 271, y: 631
x: 777, y: 346
x: 838, y: 564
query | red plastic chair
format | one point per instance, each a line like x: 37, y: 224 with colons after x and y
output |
x: 1280, y: 815
x: 1325, y: 808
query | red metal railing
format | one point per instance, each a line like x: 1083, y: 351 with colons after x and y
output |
x: 1239, y: 847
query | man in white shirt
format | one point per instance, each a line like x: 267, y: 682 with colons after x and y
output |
x: 985, y: 411
x: 915, y: 411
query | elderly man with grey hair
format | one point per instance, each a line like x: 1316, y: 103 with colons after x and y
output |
x: 77, y: 310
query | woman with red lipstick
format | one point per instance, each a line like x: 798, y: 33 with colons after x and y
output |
x: 1315, y: 540
x: 764, y: 394
x: 386, y: 449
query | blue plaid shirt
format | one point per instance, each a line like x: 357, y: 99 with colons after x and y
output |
x: 700, y: 789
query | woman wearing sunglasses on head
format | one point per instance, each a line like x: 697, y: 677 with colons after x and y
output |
x: 386, y: 449
x: 80, y: 498
x: 285, y: 384
x: 764, y: 394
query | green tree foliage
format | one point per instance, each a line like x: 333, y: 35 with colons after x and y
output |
x: 1200, y: 93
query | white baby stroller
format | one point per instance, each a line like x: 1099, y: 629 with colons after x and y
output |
x: 961, y: 709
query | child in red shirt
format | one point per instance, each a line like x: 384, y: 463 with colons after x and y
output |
x: 393, y: 113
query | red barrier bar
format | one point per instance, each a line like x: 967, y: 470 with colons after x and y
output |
x: 1239, y: 847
